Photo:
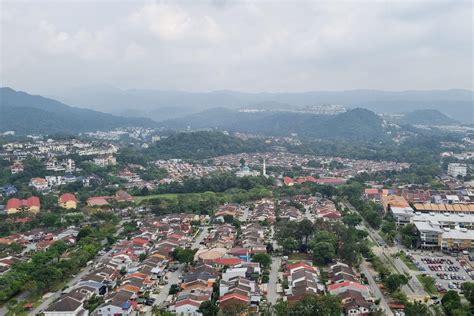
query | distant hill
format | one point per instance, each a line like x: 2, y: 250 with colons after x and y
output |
x: 161, y: 105
x: 33, y: 114
x: 356, y: 124
x: 201, y: 145
x: 426, y: 117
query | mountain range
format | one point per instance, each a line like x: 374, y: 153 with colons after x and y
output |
x: 163, y: 105
x: 34, y: 114
x: 355, y: 124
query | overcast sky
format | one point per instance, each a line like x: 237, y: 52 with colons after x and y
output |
x: 239, y: 45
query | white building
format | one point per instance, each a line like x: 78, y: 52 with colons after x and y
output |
x: 457, y: 169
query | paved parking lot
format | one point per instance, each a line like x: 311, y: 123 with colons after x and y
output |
x: 448, y: 272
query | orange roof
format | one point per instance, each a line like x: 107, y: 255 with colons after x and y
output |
x: 66, y: 197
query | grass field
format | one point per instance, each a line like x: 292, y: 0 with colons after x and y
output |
x: 408, y: 262
x: 173, y: 196
x: 428, y: 283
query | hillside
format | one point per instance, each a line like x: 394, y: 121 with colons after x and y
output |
x: 32, y: 114
x: 161, y: 105
x: 427, y: 117
x: 356, y: 124
x: 201, y: 145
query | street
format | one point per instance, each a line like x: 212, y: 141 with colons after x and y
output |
x: 272, y: 294
x: 375, y: 289
x: 173, y: 278
x: 200, y: 237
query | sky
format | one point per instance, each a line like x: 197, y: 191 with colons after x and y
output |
x: 252, y: 46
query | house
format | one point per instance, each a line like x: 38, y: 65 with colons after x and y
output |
x: 122, y: 196
x: 68, y: 201
x: 66, y: 306
x: 31, y: 204
x: 104, y: 161
x: 17, y: 167
x: 288, y: 181
x: 303, y: 279
x: 97, y: 201
x: 117, y: 304
x: 8, y: 190
x: 39, y: 184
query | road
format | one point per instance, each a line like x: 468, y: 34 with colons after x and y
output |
x: 245, y: 216
x: 200, y: 237
x: 173, y: 278
x: 272, y: 294
x: 74, y: 280
x: 414, y: 289
x: 374, y: 288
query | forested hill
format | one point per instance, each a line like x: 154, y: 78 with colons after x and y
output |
x: 33, y: 114
x: 201, y: 145
x: 427, y: 117
x: 356, y: 124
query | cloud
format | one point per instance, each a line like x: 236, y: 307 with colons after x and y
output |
x: 240, y: 45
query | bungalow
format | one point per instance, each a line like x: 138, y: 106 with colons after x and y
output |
x: 68, y: 201
x: 17, y: 167
x: 117, y: 304
x: 31, y: 204
x: 66, y: 306
x: 39, y: 184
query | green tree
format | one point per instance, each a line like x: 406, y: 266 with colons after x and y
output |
x: 351, y: 219
x: 234, y: 309
x: 183, y: 255
x: 451, y: 302
x: 409, y: 235
x: 310, y: 305
x: 289, y: 245
x: 264, y: 259
x: 394, y: 281
x: 417, y: 309
x: 323, y: 252
x: 468, y: 289
x: 208, y: 308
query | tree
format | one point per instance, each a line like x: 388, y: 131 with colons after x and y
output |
x: 323, y: 252
x: 306, y: 228
x: 281, y: 308
x: 310, y: 305
x: 174, y: 288
x: 351, y: 219
x: 228, y: 218
x: 269, y: 247
x: 416, y: 309
x: 264, y: 259
x: 183, y: 255
x: 468, y: 289
x: 207, y: 308
x: 325, y: 236
x: 289, y: 245
x: 451, y: 301
x: 394, y: 281
x: 84, y: 232
x: 409, y: 235
x: 234, y: 309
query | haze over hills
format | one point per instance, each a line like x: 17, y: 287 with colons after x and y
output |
x: 25, y: 114
x: 424, y: 117
x: 355, y: 124
x: 163, y: 105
